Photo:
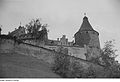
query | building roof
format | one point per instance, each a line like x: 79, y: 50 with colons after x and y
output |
x: 86, y: 25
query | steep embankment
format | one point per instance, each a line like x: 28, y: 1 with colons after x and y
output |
x: 17, y: 65
x: 33, y: 60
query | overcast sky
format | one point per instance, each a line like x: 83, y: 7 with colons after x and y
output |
x: 64, y: 16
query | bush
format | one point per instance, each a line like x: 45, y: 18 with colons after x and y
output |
x: 91, y: 72
x: 61, y: 65
x: 114, y: 71
x: 65, y: 67
x: 76, y: 70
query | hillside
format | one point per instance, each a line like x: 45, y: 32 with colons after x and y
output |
x: 22, y: 66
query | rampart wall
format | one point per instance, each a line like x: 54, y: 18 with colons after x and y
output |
x: 10, y: 46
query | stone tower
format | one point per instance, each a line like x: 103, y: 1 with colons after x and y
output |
x: 87, y: 36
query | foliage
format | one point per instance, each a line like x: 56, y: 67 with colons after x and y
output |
x: 91, y: 72
x: 108, y: 56
x: 70, y: 68
x: 36, y: 28
x: 108, y: 53
x: 61, y: 65
x: 76, y: 70
x: 62, y: 50
x: 114, y: 71
x: 33, y: 26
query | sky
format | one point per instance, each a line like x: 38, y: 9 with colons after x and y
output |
x: 64, y: 17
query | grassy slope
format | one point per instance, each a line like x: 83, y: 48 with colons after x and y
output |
x: 21, y: 66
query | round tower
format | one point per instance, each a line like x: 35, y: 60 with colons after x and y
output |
x: 87, y: 36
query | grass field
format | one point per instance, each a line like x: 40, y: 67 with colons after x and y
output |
x: 21, y: 66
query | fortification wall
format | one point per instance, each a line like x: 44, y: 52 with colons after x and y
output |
x: 9, y: 46
x: 77, y: 52
x: 6, y: 45
x: 72, y: 51
x: 30, y: 50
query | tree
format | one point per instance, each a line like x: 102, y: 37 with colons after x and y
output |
x: 37, y: 29
x: 33, y: 26
x: 108, y: 56
x: 61, y: 64
x: 108, y: 53
x: 76, y: 70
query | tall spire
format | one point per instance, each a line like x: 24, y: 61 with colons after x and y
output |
x: 84, y: 14
x: 85, y: 24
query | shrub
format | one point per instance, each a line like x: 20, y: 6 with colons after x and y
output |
x: 61, y: 65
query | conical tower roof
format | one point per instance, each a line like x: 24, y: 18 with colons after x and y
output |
x: 86, y: 25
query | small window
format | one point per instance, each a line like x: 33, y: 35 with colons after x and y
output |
x: 87, y: 32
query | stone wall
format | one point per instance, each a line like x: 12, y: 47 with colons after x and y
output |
x: 94, y: 41
x: 77, y: 52
x: 9, y: 46
x: 6, y: 45
x: 72, y: 51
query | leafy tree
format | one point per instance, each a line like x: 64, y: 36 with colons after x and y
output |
x: 108, y: 53
x: 33, y: 26
x: 37, y: 29
x: 108, y: 56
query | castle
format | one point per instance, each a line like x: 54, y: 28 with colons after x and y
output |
x: 86, y: 45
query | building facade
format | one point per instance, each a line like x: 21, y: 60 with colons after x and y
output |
x: 63, y: 41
